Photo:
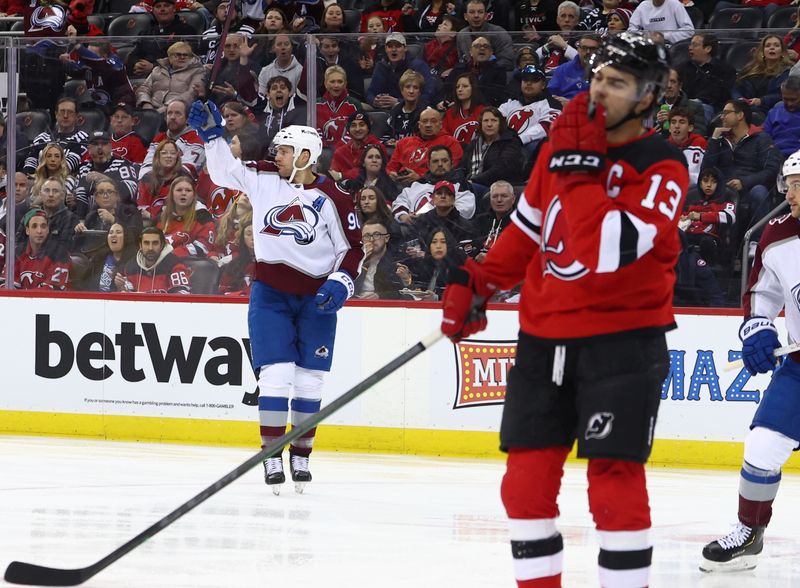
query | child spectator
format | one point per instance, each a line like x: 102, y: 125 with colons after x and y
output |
x: 41, y: 262
x: 441, y: 53
x: 125, y: 143
x: 188, y: 227
x: 681, y: 134
x: 347, y: 157
x: 334, y: 108
x: 370, y: 45
x: 372, y: 172
x: 389, y: 11
x: 464, y: 109
x: 154, y: 186
x: 404, y: 116
x: 759, y: 82
x: 239, y: 274
x: 710, y: 213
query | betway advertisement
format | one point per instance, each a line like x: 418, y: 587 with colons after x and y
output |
x: 192, y: 360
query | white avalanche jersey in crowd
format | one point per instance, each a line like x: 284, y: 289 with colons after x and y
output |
x: 418, y: 194
x: 531, y: 121
x: 302, y: 233
x: 775, y: 280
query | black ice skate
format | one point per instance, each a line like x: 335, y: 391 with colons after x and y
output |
x: 298, y: 465
x: 273, y: 473
x: 736, y: 551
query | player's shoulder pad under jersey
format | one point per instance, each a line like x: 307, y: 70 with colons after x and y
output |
x: 646, y: 152
x: 781, y: 228
x: 262, y: 165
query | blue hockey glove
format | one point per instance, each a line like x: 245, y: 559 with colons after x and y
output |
x: 759, y: 341
x: 334, y: 292
x: 206, y: 120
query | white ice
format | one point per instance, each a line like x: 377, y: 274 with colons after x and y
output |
x: 365, y: 521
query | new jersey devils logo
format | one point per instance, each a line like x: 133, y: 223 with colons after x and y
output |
x: 557, y: 258
x: 294, y: 219
x: 518, y: 121
x: 422, y: 202
x: 28, y: 278
x: 48, y: 17
x: 465, y: 131
x: 220, y: 200
x: 333, y: 130
x: 599, y: 427
x: 419, y: 156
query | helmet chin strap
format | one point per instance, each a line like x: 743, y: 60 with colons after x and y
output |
x: 296, y: 169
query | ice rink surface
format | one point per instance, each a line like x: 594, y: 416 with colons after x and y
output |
x: 365, y: 520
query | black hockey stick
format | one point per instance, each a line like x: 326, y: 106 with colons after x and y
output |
x: 31, y: 574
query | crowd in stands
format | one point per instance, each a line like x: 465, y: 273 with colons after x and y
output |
x: 431, y: 112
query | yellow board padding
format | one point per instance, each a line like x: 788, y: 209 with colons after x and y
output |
x: 473, y: 444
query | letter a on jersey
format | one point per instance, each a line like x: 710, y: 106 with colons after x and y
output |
x: 293, y: 219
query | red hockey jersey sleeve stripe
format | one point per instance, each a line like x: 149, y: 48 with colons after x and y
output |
x: 529, y: 220
x: 507, y: 261
x: 624, y: 238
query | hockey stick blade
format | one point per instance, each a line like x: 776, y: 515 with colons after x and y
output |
x: 779, y: 352
x: 31, y: 574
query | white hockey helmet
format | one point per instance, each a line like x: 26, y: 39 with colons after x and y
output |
x: 299, y: 137
x: 791, y: 167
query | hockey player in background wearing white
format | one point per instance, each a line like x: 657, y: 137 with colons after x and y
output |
x: 594, y: 241
x: 308, y: 255
x: 775, y: 429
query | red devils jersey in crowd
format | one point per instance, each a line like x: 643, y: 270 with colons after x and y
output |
x: 47, y: 269
x: 216, y: 198
x: 412, y: 152
x: 332, y: 115
x: 168, y: 276
x: 130, y: 147
x: 196, y: 240
x: 193, y: 156
x: 713, y: 213
x: 347, y: 157
x: 462, y: 124
x: 234, y: 285
x: 582, y: 242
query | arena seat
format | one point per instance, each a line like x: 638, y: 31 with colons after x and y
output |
x: 740, y: 19
x: 121, y: 6
x: 698, y: 19
x: 80, y: 271
x: 352, y: 20
x: 148, y: 125
x: 784, y: 18
x: 324, y: 160
x: 33, y: 122
x: 194, y: 19
x: 92, y: 120
x: 77, y: 89
x: 205, y: 275
x: 379, y: 121
x: 98, y: 20
x: 740, y: 53
x: 415, y: 50
x: 130, y: 25
x: 679, y: 52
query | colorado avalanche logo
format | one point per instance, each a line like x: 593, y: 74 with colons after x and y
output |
x: 48, y: 17
x: 557, y: 259
x: 518, y: 121
x: 796, y: 295
x: 464, y: 132
x: 294, y: 219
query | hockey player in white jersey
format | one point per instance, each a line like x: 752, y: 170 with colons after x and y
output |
x: 775, y: 429
x: 308, y: 255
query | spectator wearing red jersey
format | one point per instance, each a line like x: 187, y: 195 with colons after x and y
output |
x: 441, y: 53
x: 464, y: 109
x: 154, y: 187
x: 409, y: 161
x: 155, y: 269
x: 125, y: 143
x: 334, y: 108
x: 193, y: 156
x: 41, y: 262
x: 226, y: 245
x: 709, y: 213
x: 239, y: 273
x: 187, y: 226
x: 347, y: 157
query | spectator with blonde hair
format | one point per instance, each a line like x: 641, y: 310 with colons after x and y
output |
x: 179, y: 76
x: 53, y: 164
x: 335, y: 107
x: 404, y: 116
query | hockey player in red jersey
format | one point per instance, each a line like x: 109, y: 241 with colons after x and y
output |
x: 775, y: 429
x: 308, y: 254
x: 594, y: 241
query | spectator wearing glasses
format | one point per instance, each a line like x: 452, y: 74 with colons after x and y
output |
x: 748, y: 160
x: 483, y: 64
x: 154, y: 42
x: 666, y: 16
x: 378, y: 278
x: 66, y: 133
x: 109, y: 208
x: 477, y: 25
x: 179, y: 76
x: 570, y: 78
x: 558, y: 50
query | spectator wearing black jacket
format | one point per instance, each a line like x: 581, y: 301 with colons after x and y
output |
x: 494, y: 154
x: 705, y: 77
x: 484, y: 65
x: 378, y: 278
x: 490, y: 224
x: 445, y: 214
x: 154, y: 42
